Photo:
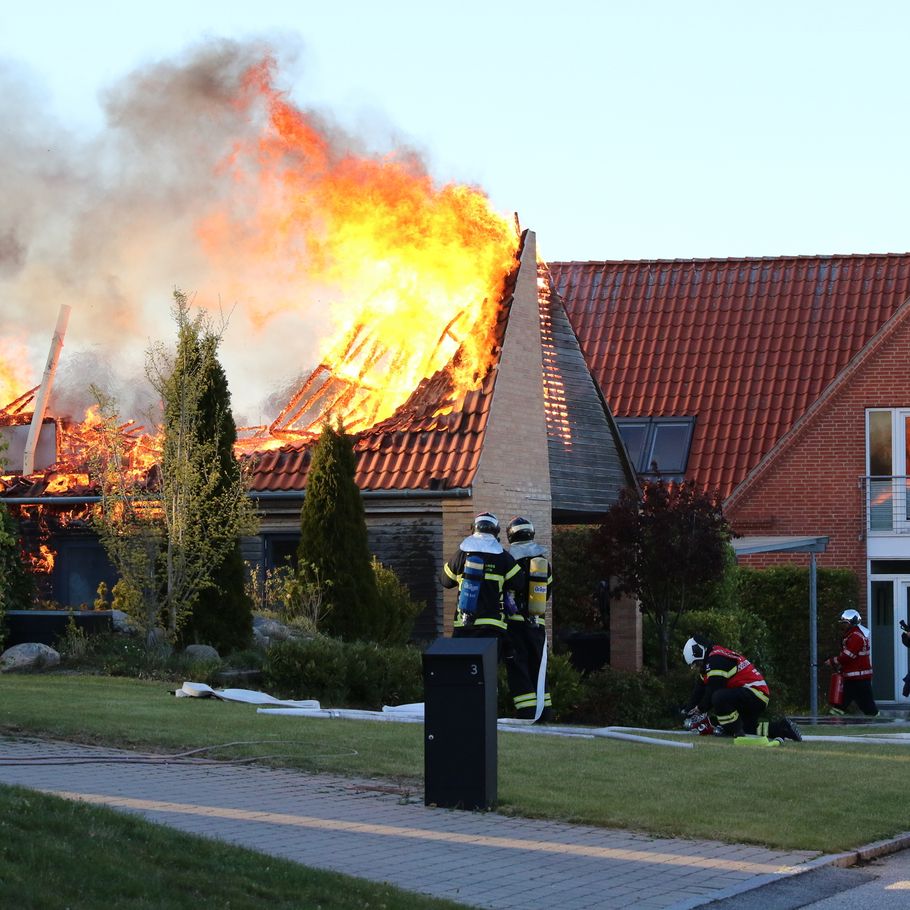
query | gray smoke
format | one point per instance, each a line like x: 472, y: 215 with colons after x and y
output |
x: 109, y: 225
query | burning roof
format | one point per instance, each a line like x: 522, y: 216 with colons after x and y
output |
x: 395, y: 279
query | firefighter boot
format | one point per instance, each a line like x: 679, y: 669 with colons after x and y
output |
x: 784, y: 729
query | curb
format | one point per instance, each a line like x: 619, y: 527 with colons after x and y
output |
x: 871, y: 851
x: 839, y: 860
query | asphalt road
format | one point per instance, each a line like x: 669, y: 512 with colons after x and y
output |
x: 882, y: 884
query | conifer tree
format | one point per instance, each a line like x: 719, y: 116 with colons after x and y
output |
x: 175, y: 542
x: 222, y: 613
x: 333, y: 538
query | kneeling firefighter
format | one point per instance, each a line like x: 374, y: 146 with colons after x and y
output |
x: 527, y: 626
x: 732, y: 688
x: 483, y: 572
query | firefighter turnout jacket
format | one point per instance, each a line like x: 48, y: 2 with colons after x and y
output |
x: 854, y: 660
x: 725, y: 669
x: 500, y: 573
x: 528, y: 633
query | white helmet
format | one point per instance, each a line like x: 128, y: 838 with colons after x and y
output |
x: 851, y: 617
x: 694, y: 650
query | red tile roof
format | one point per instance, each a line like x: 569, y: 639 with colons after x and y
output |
x: 413, y: 449
x: 743, y: 345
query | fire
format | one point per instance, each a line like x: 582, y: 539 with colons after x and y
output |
x: 410, y: 273
x: 14, y: 373
x: 554, y: 392
x: 79, y: 445
x: 45, y: 563
x: 414, y: 271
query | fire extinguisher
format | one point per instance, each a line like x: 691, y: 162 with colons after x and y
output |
x: 836, y: 689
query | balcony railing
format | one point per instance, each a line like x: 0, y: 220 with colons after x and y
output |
x: 885, y: 503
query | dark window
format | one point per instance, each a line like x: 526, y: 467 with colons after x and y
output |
x: 281, y: 550
x: 657, y: 446
x: 81, y: 564
x: 890, y: 567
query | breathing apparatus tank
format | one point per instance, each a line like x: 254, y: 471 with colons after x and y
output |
x: 537, y: 587
x: 471, y: 579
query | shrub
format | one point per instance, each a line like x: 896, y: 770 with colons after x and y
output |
x: 780, y: 595
x: 112, y: 654
x: 344, y: 674
x: 566, y: 685
x: 397, y: 610
x: 17, y: 587
x: 576, y: 605
x: 378, y: 676
x: 310, y: 668
x: 616, y: 697
x: 296, y: 597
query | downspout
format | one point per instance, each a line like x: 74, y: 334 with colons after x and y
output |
x: 44, y: 392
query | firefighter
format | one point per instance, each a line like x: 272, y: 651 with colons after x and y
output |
x: 905, y: 640
x: 733, y: 689
x: 527, y: 627
x: 854, y: 663
x: 484, y: 572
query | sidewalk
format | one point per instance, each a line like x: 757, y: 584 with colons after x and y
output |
x: 378, y: 832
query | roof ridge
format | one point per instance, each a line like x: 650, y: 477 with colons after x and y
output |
x: 806, y: 257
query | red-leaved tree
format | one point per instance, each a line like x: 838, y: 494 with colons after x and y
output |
x: 665, y: 548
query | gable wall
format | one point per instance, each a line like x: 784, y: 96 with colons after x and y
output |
x: 513, y: 474
x: 811, y: 486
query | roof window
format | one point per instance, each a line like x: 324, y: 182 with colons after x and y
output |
x: 657, y: 446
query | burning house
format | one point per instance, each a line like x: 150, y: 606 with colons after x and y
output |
x: 534, y: 438
x: 527, y: 433
x: 439, y: 342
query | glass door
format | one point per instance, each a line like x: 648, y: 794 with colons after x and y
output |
x: 902, y: 657
x: 883, y: 624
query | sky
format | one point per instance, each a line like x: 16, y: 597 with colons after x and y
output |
x: 613, y: 130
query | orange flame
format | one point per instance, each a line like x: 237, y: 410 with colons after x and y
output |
x: 415, y: 271
x: 44, y: 561
x: 14, y: 371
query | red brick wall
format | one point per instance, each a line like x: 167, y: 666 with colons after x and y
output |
x: 811, y: 486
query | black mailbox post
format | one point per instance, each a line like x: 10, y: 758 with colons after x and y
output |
x: 459, y: 680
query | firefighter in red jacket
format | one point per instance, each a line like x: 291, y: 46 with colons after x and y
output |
x: 854, y: 663
x: 733, y: 689
x: 484, y: 572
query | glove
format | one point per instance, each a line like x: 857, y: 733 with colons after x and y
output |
x: 905, y: 638
x: 906, y: 690
x: 696, y: 720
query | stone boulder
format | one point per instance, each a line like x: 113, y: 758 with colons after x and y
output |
x: 201, y: 652
x: 268, y: 631
x: 28, y: 656
x: 123, y: 624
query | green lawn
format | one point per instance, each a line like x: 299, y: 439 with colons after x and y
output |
x: 798, y: 796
